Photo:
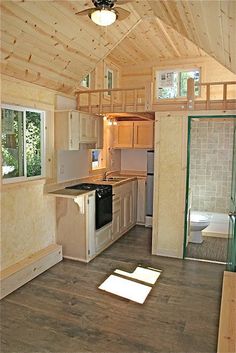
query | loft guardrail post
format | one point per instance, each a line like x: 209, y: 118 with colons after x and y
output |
x: 190, y: 94
x: 225, y: 95
x: 148, y: 96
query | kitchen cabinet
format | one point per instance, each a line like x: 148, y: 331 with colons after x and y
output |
x: 141, y: 201
x: 116, y: 206
x: 123, y: 134
x: 133, y: 134
x: 75, y: 226
x: 143, y: 134
x: 73, y: 128
x: 127, y: 202
x: 87, y: 128
x: 103, y: 237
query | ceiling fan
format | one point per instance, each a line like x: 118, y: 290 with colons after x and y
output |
x: 105, y: 12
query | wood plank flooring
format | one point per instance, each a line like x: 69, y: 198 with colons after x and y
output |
x: 62, y: 310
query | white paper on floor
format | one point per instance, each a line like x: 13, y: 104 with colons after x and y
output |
x: 147, y: 275
x: 125, y: 288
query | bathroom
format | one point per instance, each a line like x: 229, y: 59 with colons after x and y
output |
x: 210, y: 154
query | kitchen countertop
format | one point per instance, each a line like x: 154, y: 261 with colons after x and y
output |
x: 69, y: 193
x: 72, y: 193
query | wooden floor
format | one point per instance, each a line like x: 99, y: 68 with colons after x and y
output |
x: 63, y: 311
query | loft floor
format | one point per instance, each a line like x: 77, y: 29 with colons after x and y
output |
x: 63, y: 311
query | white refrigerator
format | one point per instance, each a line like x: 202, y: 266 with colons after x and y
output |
x: 149, y: 190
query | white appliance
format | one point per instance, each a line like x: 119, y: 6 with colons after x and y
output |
x: 149, y: 191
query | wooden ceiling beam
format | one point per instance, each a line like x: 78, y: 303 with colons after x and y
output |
x: 167, y: 37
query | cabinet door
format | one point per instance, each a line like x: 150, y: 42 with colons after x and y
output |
x: 143, y: 134
x: 128, y: 209
x: 74, y: 138
x: 88, y: 129
x: 123, y: 135
x: 102, y: 237
x: 141, y: 202
x: 116, y: 205
x: 115, y: 225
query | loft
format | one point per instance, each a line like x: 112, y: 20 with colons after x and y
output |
x: 213, y: 96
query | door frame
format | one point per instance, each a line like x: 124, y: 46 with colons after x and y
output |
x: 190, y: 117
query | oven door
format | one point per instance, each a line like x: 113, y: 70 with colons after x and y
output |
x: 103, y: 211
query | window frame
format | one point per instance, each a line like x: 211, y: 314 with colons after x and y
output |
x: 109, y: 69
x: 42, y: 149
x: 158, y: 71
x: 101, y: 159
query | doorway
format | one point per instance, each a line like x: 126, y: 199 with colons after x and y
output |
x: 210, y: 189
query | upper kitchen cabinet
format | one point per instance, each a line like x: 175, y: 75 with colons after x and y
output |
x: 143, y: 134
x: 129, y: 134
x: 73, y: 128
x: 123, y: 134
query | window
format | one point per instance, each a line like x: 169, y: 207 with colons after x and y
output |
x: 97, y: 159
x: 173, y: 84
x: 86, y: 81
x: 22, y: 143
x: 109, y: 80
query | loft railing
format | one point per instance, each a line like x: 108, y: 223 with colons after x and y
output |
x: 206, y: 98
x: 116, y: 99
x: 213, y: 96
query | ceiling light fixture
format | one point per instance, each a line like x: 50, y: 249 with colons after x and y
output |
x: 103, y: 17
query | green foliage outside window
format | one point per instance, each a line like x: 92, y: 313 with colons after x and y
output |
x: 21, y: 144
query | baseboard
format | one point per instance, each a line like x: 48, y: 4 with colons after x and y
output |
x: 24, y: 271
x: 168, y: 253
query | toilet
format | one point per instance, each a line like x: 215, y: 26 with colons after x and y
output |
x: 198, y: 222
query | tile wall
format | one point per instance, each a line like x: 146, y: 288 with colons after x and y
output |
x: 211, y: 165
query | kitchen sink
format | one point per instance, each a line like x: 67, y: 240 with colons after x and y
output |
x: 114, y: 179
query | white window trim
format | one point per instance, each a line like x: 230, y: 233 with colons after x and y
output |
x: 157, y: 71
x: 43, y: 145
x: 108, y: 69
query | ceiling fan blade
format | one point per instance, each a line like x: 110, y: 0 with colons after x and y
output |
x: 121, y: 13
x: 85, y: 12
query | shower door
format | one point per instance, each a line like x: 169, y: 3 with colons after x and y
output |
x: 231, y: 255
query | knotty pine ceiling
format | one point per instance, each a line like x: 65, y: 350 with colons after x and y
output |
x: 44, y: 42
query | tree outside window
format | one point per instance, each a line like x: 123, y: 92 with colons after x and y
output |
x: 22, y: 143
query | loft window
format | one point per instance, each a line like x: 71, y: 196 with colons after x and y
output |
x: 109, y: 80
x: 86, y: 81
x: 173, y: 83
x: 22, y: 143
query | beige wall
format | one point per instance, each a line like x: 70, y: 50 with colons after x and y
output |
x: 169, y: 184
x: 28, y: 216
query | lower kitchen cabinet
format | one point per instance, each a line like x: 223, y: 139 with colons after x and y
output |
x: 103, y: 237
x: 141, y: 201
x: 76, y: 222
x: 126, y: 215
x: 75, y: 226
x: 116, y: 222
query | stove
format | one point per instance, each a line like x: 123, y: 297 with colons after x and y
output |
x: 103, y: 212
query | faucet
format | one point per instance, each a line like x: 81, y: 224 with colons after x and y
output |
x: 108, y: 172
